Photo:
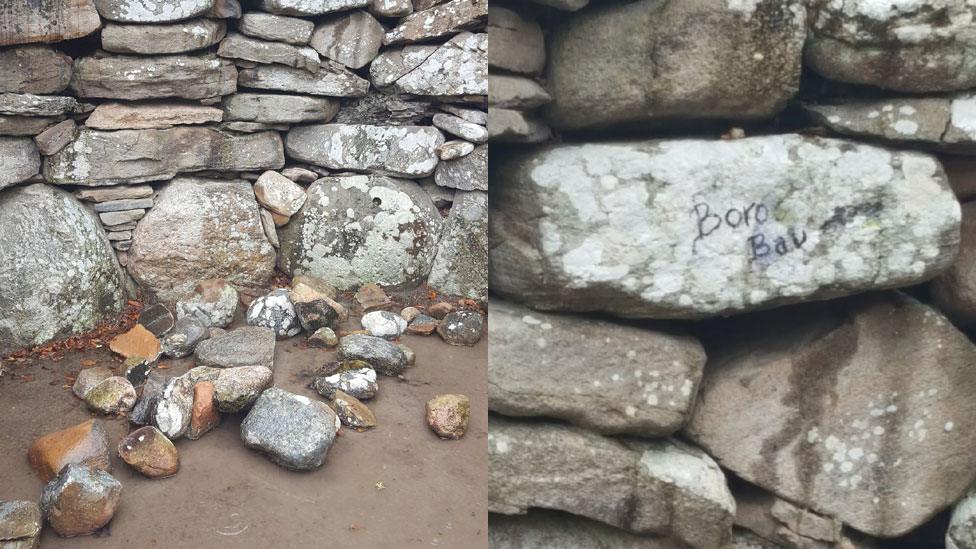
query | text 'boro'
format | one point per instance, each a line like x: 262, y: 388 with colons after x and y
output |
x: 753, y: 215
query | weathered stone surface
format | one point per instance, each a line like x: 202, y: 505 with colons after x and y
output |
x: 138, y: 341
x: 58, y: 277
x: 568, y: 5
x: 23, y: 21
x: 237, y: 388
x: 353, y: 39
x: 385, y: 357
x: 458, y: 68
x: 468, y: 173
x: 293, y: 430
x: 447, y: 415
x: 731, y: 226
x: 475, y: 116
x: 36, y: 105
x: 174, y: 406
x: 239, y: 46
x: 954, y: 292
x: 143, y: 413
x: 461, y: 265
x: 398, y: 151
x: 309, y: 7
x: 139, y: 116
x: 323, y: 337
x: 660, y: 487
x: 443, y: 20
x: 854, y: 414
x: 905, y: 46
x: 25, y: 125
x: 514, y: 44
x: 611, y: 378
x: 279, y: 194
x: 157, y: 11
x: 20, y: 524
x: 452, y: 150
x: 131, y: 77
x: 329, y: 80
x: 962, y: 527
x: 148, y: 451
x: 393, y: 64
x: 33, y: 69
x: 383, y: 324
x: 19, y: 160
x: 515, y: 92
x: 213, y: 303
x: 124, y: 204
x: 391, y: 8
x: 386, y: 107
x: 389, y: 239
x: 276, y: 109
x: 187, y: 332
x: 85, y: 444
x: 121, y: 192
x: 163, y: 39
x: 225, y: 9
x: 351, y: 412
x: 462, y: 327
x: 276, y: 28
x: 455, y: 125
x: 80, y: 500
x: 204, y: 416
x: 548, y: 530
x: 55, y: 138
x: 244, y: 346
x: 360, y: 383
x: 270, y: 230
x: 207, y: 227
x: 89, y: 378
x: 157, y: 319
x: 275, y: 312
x: 114, y: 395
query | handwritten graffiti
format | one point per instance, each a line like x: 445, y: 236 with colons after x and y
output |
x: 753, y: 216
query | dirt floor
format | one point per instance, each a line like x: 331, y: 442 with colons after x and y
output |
x: 397, y: 485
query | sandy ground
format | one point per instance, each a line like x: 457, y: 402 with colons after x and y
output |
x: 434, y: 494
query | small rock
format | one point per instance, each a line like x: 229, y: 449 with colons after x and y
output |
x: 186, y: 334
x: 423, y: 325
x: 204, y: 416
x: 339, y: 366
x: 474, y: 116
x: 244, y: 346
x: 269, y: 108
x: 85, y: 443
x: 448, y: 415
x: 962, y: 525
x: 299, y: 175
x: 384, y: 324
x: 408, y: 352
x: 409, y: 313
x: 306, y: 287
x: 371, y: 296
x: 461, y: 327
x: 352, y: 413
x: 511, y: 126
x: 276, y: 28
x: 451, y: 150
x: 360, y: 383
x: 279, y: 194
x: 315, y: 313
x: 395, y: 151
x: 515, y: 92
x: 174, y: 407
x: 440, y: 309
x: 144, y: 412
x: 323, y: 337
x: 275, y: 311
x: 468, y: 173
x: 80, y: 500
x: 136, y: 342
x: 118, y: 192
x: 352, y: 38
x: 114, y: 395
x: 136, y: 370
x: 270, y: 231
x: 157, y: 319
x: 456, y: 125
x: 20, y: 524
x: 385, y: 357
x: 89, y: 378
x: 214, y: 303
x: 515, y: 44
x: 237, y: 388
x: 56, y: 137
x: 148, y: 451
x: 295, y: 431
x: 391, y: 8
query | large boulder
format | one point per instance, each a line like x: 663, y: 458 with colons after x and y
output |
x: 659, y: 487
x: 461, y: 265
x: 293, y: 430
x: 903, y: 46
x: 398, y: 151
x: 27, y: 21
x: 133, y: 77
x: 354, y: 230
x: 549, y: 530
x: 611, y: 378
x: 98, y: 157
x: 58, y: 273
x: 33, y: 69
x: 648, y: 60
x: 201, y: 229
x: 19, y: 160
x: 689, y: 228
x: 859, y: 409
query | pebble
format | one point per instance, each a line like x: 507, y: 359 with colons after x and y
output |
x: 462, y: 327
x: 352, y: 412
x: 114, y: 395
x: 275, y: 311
x: 447, y: 415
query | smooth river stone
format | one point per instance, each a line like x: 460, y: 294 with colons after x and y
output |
x: 693, y: 228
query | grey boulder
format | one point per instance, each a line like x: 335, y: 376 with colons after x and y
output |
x: 275, y: 312
x: 353, y: 38
x: 385, y: 357
x: 360, y: 383
x: 33, y: 69
x: 163, y: 39
x: 19, y: 160
x: 461, y: 265
x: 237, y: 388
x: 133, y: 77
x: 468, y: 173
x: 244, y: 346
x: 457, y: 68
x: 398, y: 151
x: 539, y: 529
x: 293, y: 430
x: 183, y: 338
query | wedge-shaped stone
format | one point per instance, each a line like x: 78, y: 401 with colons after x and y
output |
x: 515, y: 92
x: 662, y: 487
x: 27, y: 21
x: 161, y: 39
x: 271, y: 108
x: 848, y: 408
x: 443, y: 20
x: 550, y: 529
x: 19, y: 160
x: 130, y: 77
x: 140, y: 116
x: 132, y: 156
x: 329, y: 80
x: 458, y: 68
x: 510, y: 126
x: 689, y: 228
x: 399, y: 151
x: 309, y: 7
x: 461, y: 265
x: 611, y: 378
x: 155, y: 11
x: 276, y: 28
x: 36, y: 105
x: 468, y: 173
x: 239, y: 46
x: 33, y: 69
x: 353, y: 39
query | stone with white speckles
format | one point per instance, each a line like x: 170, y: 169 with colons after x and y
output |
x: 463, y: 328
x: 213, y: 303
x: 384, y: 324
x: 275, y: 311
x: 293, y: 430
x: 329, y: 80
x: 461, y: 265
x: 397, y: 151
x: 360, y: 383
x: 385, y: 357
x: 156, y: 11
x: 134, y: 77
x: 36, y: 105
x: 443, y: 20
x: 244, y: 346
x: 841, y: 408
x: 390, y: 8
x: 19, y: 160
x: 309, y: 7
x: 612, y: 378
x: 693, y: 228
x: 662, y: 487
x: 277, y: 28
x: 353, y: 39
x: 455, y: 125
x: 457, y: 68
x: 907, y: 46
x: 239, y: 46
x: 541, y: 529
x: 468, y: 173
x: 162, y: 39
x: 279, y: 194
x: 962, y: 526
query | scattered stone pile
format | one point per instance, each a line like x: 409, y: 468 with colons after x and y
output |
x: 847, y: 422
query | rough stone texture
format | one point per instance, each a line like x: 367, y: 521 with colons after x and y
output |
x: 114, y: 395
x: 309, y: 7
x: 206, y: 227
x: 954, y: 292
x: 186, y: 334
x: 138, y: 341
x: 213, y: 303
x: 148, y: 451
x: 33, y: 69
x: 393, y: 64
x: 506, y: 125
x: 174, y: 406
x: 122, y: 192
x: 130, y: 77
x: 80, y: 500
x: 23, y: 21
x: 19, y: 160
x: 681, y: 229
x: 279, y: 194
x: 99, y: 157
x: 454, y: 149
x: 443, y: 20
x: 157, y: 319
x: 275, y: 312
x: 353, y: 39
x: 391, y: 8
x: 55, y: 138
x: 515, y: 92
x: 237, y: 388
x: 862, y: 410
x: 204, y: 416
x: 462, y: 327
x: 36, y: 105
x: 278, y: 109
x: 276, y: 28
x: 351, y: 412
x: 386, y: 108
x: 458, y: 68
x: 143, y: 413
x: 612, y: 378
x: 383, y: 324
x: 293, y: 430
x: 89, y: 378
x: 156, y: 11
x: 660, y: 487
x: 549, y: 530
x: 447, y: 415
x: 85, y: 444
x: 58, y: 277
x: 239, y: 46
x: 385, y: 357
x: 323, y: 337
x: 25, y: 125
x: 514, y: 44
x: 360, y: 383
x: 329, y: 80
x: 398, y: 151
x: 468, y: 173
x: 163, y: 39
x: 20, y: 524
x: 707, y: 59
x: 461, y: 265
x: 456, y: 125
x: 904, y: 46
x: 141, y: 116
x: 962, y: 527
x: 389, y: 238
x: 244, y: 346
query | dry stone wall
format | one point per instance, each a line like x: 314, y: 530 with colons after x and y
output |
x: 731, y: 257
x: 192, y: 140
